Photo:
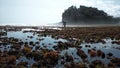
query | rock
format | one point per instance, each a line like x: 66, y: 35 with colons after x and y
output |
x: 103, y: 55
x: 92, y: 53
x: 110, y: 54
x: 31, y: 43
x: 81, y: 54
x: 51, y: 57
x: 17, y: 53
x: 69, y: 58
x: 8, y: 59
x: 87, y: 46
x: 20, y: 43
x: 26, y: 49
x: 116, y: 42
x: 17, y: 46
x: 80, y: 65
x: 116, y: 61
x: 97, y: 62
x: 110, y: 64
x: 67, y: 66
x: 25, y: 64
x: 99, y: 53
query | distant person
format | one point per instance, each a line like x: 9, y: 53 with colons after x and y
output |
x: 64, y: 24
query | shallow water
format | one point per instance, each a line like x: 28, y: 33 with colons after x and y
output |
x: 48, y: 42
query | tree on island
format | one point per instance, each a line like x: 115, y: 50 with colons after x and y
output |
x: 88, y: 15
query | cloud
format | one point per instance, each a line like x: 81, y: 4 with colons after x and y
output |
x: 48, y: 11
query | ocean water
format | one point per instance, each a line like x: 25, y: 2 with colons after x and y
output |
x: 49, y: 42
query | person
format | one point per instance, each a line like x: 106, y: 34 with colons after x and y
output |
x: 64, y: 24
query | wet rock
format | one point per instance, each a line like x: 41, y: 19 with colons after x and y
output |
x: 80, y: 47
x: 87, y: 46
x: 36, y: 42
x: 62, y: 61
x: 43, y: 43
x: 37, y: 47
x: 99, y: 53
x: 97, y: 62
x: 103, y: 55
x: 51, y: 54
x: 3, y: 65
x: 67, y: 66
x: 91, y: 66
x: 31, y: 43
x: 35, y: 55
x: 116, y: 61
x: 4, y: 43
x: 116, y: 42
x: 51, y: 57
x: 92, y: 53
x: 110, y: 64
x: 26, y: 43
x: 24, y: 64
x: 62, y: 45
x: 30, y: 37
x: 17, y: 47
x: 80, y: 65
x: 3, y: 33
x: 16, y: 53
x: 102, y: 41
x: 20, y: 43
x: 81, y: 54
x: 75, y: 65
x: 8, y: 59
x: 26, y: 50
x: 110, y: 54
x: 55, y: 47
x: 69, y: 58
x: 37, y: 65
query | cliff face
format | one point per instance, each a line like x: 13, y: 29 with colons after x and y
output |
x: 87, y: 15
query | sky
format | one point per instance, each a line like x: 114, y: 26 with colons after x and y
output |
x: 43, y: 12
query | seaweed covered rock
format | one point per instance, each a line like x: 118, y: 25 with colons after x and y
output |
x: 92, y: 53
x: 81, y: 54
x: 8, y: 59
x: 22, y: 64
x: 51, y: 58
x: 36, y: 55
x: 26, y: 50
x: 116, y: 61
x: 110, y: 64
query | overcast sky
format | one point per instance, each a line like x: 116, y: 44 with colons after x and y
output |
x: 42, y: 12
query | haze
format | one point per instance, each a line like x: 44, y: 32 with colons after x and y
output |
x: 43, y: 12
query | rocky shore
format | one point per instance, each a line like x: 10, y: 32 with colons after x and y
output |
x: 73, y: 47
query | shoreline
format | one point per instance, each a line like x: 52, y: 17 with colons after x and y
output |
x: 85, y: 47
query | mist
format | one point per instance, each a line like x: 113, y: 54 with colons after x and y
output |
x: 45, y: 12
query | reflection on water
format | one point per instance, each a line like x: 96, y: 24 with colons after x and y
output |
x: 47, y: 42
